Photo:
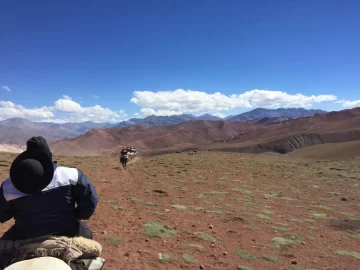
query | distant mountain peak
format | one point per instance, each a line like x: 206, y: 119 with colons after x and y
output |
x: 17, y: 120
x: 260, y: 113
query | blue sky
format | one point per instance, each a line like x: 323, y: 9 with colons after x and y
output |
x: 112, y: 60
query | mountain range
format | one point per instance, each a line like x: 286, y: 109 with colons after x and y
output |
x: 289, y: 113
x: 256, y: 114
x: 153, y: 120
x: 232, y: 136
x: 18, y: 130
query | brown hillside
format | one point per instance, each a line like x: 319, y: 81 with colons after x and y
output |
x: 329, y: 151
x: 334, y: 127
x: 182, y: 135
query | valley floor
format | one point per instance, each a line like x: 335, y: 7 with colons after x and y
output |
x: 223, y: 211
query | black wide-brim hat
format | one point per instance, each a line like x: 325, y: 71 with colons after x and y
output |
x: 31, y: 171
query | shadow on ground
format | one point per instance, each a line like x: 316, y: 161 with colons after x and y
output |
x: 345, y: 225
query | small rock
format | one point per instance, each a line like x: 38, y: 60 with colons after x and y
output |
x: 167, y: 210
x: 293, y: 262
x: 193, y: 225
x: 212, y: 245
x: 253, y: 240
x: 225, y: 253
x: 202, y: 267
x: 343, y: 199
x: 303, y: 243
x: 211, y: 226
x: 104, y: 232
x: 127, y: 254
x: 146, y: 240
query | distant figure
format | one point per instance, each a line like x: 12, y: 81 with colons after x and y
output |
x: 123, y: 152
x: 124, y: 157
x: 41, y: 196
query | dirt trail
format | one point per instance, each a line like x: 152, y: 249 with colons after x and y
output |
x: 134, y: 160
x: 124, y: 224
x: 131, y: 162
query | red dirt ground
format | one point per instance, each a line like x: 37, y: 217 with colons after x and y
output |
x: 263, y: 211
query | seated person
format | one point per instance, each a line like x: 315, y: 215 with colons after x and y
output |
x: 123, y: 153
x: 43, y: 198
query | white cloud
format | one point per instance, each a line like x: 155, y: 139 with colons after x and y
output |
x: 175, y: 102
x: 189, y: 101
x: 95, y: 113
x: 67, y: 105
x: 6, y: 88
x: 9, y: 109
x: 63, y: 110
x: 348, y: 104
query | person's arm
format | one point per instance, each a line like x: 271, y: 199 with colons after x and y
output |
x: 6, y: 212
x: 85, y: 196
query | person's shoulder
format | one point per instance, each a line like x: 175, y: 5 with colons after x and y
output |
x: 66, y: 168
x: 73, y: 171
x: 63, y: 176
x: 66, y: 172
x: 6, y: 183
x: 9, y: 191
x: 7, y: 180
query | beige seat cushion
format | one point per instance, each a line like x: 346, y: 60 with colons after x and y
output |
x: 41, y: 263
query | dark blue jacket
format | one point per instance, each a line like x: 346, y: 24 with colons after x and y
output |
x: 52, y: 210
